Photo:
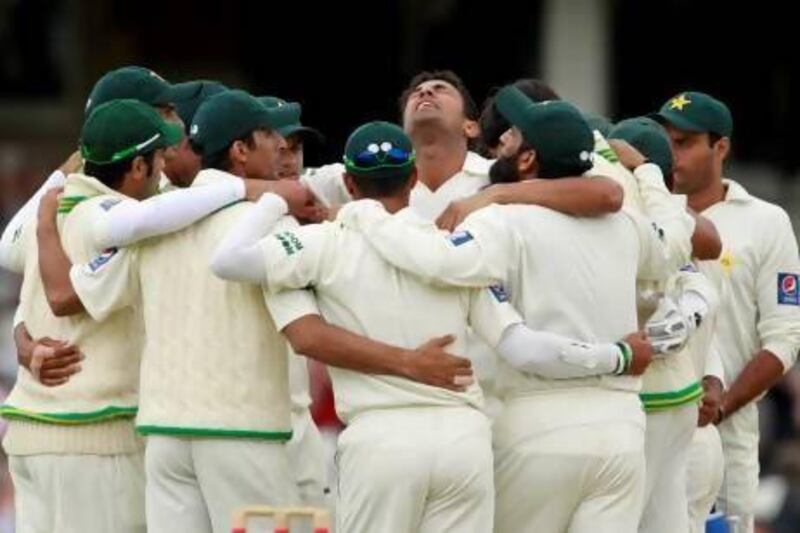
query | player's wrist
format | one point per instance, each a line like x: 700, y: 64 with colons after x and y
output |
x: 624, y: 358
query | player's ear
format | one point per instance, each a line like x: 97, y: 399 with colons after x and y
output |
x: 237, y: 152
x: 471, y: 129
x: 412, y: 179
x: 526, y: 161
x: 723, y: 148
x: 350, y: 184
x: 139, y: 167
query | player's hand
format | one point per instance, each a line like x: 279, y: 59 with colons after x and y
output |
x: 48, y: 207
x: 73, y: 163
x: 709, y: 412
x: 51, y: 361
x: 457, y: 211
x: 629, y: 156
x: 432, y: 365
x: 642, y: 353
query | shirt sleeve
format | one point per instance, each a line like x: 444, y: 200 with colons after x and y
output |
x: 669, y: 212
x: 491, y: 313
x: 108, y: 283
x: 126, y: 221
x: 287, y: 306
x: 238, y: 256
x: 777, y: 290
x: 478, y: 254
x: 327, y: 184
x: 292, y: 257
x: 22, y: 225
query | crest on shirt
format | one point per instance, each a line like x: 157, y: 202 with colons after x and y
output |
x: 460, y: 237
x: 787, y: 289
x: 499, y: 293
x: 97, y: 263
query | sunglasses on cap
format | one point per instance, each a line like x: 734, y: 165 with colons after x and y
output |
x: 381, y: 156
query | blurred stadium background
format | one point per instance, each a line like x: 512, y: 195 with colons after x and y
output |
x: 347, y: 62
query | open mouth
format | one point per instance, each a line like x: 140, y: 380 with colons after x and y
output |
x: 426, y: 105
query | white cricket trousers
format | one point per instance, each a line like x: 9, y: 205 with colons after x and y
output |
x: 195, y: 484
x: 570, y: 461
x: 667, y: 441
x: 704, y: 475
x: 307, y: 459
x: 740, y: 436
x: 416, y: 470
x: 78, y: 493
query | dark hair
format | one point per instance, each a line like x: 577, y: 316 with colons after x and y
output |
x: 493, y: 124
x: 470, y: 108
x: 221, y: 159
x: 111, y: 174
x: 372, y: 187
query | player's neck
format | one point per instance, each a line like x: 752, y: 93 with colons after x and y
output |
x: 393, y: 204
x: 701, y: 200
x: 439, y: 159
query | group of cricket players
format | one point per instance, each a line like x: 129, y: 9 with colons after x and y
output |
x: 534, y: 320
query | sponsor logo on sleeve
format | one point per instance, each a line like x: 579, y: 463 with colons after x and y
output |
x: 460, y: 237
x: 499, y: 293
x: 101, y: 260
x: 787, y: 289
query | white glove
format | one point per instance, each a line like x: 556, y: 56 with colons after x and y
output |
x: 672, y: 324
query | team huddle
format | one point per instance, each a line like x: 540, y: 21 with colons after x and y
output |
x: 534, y: 320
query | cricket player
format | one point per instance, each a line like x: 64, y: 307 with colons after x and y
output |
x: 674, y: 384
x: 296, y: 136
x: 440, y: 117
x: 568, y: 453
x: 75, y: 460
x: 446, y: 464
x: 306, y: 449
x: 759, y: 327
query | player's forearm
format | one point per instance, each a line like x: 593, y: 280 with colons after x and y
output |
x: 54, y: 266
x: 131, y: 221
x: 315, y: 338
x: 573, y: 196
x: 238, y: 256
x: 760, y: 374
x: 557, y: 357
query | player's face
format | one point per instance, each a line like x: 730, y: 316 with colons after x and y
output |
x: 263, y: 159
x: 694, y: 166
x: 291, y: 158
x: 151, y: 177
x: 168, y: 113
x: 434, y: 102
x: 183, y: 165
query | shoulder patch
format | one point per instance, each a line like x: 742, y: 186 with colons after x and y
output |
x: 689, y: 267
x: 108, y: 203
x: 460, y: 237
x: 499, y: 293
x: 97, y: 263
x: 291, y: 244
x: 788, y: 293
